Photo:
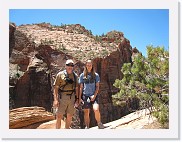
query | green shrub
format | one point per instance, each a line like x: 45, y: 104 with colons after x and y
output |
x: 147, y: 79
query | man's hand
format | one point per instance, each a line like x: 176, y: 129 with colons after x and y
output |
x: 55, y: 103
x: 76, y: 103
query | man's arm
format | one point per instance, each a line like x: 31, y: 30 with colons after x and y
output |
x: 56, y: 95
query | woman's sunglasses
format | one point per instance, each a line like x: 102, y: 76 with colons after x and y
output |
x: 70, y: 65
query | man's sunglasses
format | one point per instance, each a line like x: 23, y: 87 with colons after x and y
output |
x: 70, y: 65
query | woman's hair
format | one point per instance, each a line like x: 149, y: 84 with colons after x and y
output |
x: 85, y: 72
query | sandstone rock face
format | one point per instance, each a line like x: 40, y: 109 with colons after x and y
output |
x: 109, y: 70
x: 35, y: 60
x: 74, y: 40
x: 50, y: 125
x: 33, y: 88
x: 12, y: 28
x: 25, y: 116
x: 113, y: 36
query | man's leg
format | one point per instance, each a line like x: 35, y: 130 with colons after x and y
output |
x: 58, y: 121
x: 87, y: 117
x: 68, y: 121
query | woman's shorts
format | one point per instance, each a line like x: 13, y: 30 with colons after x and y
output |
x: 88, y: 103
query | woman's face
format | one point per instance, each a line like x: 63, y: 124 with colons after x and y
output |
x: 89, y: 66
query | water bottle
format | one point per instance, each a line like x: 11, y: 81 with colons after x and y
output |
x: 54, y: 111
x: 88, y: 100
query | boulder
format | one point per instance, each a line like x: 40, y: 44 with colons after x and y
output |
x: 51, y: 125
x: 25, y: 116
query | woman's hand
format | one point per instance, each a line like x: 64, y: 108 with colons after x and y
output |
x: 81, y: 102
x: 92, y: 98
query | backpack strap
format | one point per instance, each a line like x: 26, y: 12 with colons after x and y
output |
x: 73, y: 89
x: 75, y: 79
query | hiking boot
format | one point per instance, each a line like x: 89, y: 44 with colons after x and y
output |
x: 100, y: 125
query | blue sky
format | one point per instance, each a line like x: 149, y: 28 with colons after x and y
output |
x: 141, y: 26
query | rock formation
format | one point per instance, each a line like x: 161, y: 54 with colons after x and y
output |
x: 27, y: 119
x: 39, y: 51
x: 25, y: 116
x: 136, y: 120
x: 12, y: 29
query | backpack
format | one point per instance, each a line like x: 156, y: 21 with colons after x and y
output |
x: 69, y: 81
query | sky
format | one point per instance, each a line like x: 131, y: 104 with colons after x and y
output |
x: 142, y: 27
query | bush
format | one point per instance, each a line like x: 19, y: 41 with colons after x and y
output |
x: 148, y: 80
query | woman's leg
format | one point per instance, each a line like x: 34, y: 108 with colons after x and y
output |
x: 97, y: 115
x: 96, y: 112
x: 87, y: 117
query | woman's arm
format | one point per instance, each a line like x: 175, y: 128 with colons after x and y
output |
x: 96, y: 89
x: 80, y: 93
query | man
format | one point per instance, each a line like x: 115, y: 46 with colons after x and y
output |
x: 67, y: 82
x: 89, y: 86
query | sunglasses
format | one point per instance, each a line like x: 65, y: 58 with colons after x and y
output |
x: 70, y: 65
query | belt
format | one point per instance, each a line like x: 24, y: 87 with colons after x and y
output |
x: 70, y: 95
x: 67, y: 90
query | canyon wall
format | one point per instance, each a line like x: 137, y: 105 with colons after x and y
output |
x: 32, y: 70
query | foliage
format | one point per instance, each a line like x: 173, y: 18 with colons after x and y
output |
x: 104, y: 52
x: 16, y: 73
x: 147, y: 78
x: 90, y: 32
x: 62, y: 47
x: 46, y: 41
x: 98, y: 38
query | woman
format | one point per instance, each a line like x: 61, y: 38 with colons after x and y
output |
x: 89, y: 86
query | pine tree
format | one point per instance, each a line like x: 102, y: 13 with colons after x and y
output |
x: 147, y: 78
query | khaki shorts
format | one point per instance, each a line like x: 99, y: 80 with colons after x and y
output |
x: 66, y: 105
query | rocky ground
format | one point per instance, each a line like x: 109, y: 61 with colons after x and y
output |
x: 38, y: 118
x: 137, y: 120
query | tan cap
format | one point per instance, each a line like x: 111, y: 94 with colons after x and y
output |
x: 69, y: 61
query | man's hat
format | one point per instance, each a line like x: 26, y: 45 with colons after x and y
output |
x: 69, y: 61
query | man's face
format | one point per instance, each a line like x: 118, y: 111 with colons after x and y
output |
x: 69, y: 68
